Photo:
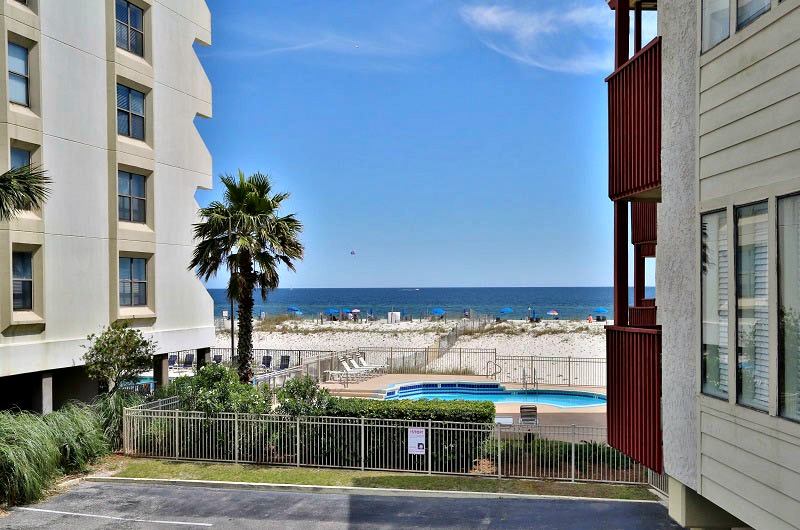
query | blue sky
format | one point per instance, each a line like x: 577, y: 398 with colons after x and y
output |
x: 447, y: 143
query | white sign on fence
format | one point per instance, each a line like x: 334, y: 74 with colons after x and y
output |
x: 416, y: 441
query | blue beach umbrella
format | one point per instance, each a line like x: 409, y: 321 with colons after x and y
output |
x: 601, y: 310
x: 506, y: 310
x: 298, y: 312
x: 437, y: 311
x: 293, y: 308
x: 331, y: 311
x: 345, y: 310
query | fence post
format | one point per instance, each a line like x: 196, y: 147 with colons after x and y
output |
x: 236, y: 437
x: 429, y: 445
x: 176, y: 433
x: 363, y: 444
x: 499, y: 452
x: 569, y: 371
x: 573, y: 452
x: 298, y: 441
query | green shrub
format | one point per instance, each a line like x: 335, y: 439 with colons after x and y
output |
x: 216, y: 388
x: 109, y: 409
x: 405, y: 409
x: 302, y: 396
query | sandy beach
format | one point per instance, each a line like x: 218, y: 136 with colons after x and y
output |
x: 557, y: 338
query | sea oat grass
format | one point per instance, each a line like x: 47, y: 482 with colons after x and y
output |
x: 79, y: 436
x: 29, y: 457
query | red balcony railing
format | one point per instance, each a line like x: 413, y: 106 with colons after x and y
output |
x: 634, y: 126
x: 634, y: 393
x: 642, y: 316
x: 643, y: 223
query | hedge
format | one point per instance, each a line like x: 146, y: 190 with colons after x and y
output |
x: 460, y: 411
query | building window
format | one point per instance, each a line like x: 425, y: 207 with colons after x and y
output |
x: 130, y: 112
x: 714, y: 303
x: 130, y: 27
x: 20, y: 158
x: 715, y: 23
x: 132, y: 281
x: 749, y: 10
x: 789, y: 307
x: 22, y: 265
x: 131, y: 197
x: 752, y: 318
x: 18, y: 74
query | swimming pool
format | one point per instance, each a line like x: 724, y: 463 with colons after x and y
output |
x: 471, y: 391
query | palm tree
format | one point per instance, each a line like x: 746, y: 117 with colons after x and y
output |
x: 22, y: 188
x: 246, y: 233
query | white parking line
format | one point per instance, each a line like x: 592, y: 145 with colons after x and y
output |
x: 113, y: 518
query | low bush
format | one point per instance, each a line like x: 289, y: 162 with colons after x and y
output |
x: 35, y: 449
x: 302, y: 396
x: 216, y: 388
x: 405, y: 409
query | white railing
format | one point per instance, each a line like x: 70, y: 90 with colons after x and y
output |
x: 571, y: 452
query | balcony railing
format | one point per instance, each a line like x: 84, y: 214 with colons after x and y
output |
x: 642, y: 316
x: 634, y: 126
x: 643, y: 223
x: 634, y: 393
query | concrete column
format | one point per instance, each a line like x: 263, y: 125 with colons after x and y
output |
x: 203, y: 357
x: 689, y: 508
x: 45, y: 401
x: 160, y: 370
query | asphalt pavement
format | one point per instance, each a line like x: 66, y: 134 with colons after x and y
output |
x: 91, y: 505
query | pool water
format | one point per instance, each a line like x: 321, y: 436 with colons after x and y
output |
x: 495, y: 392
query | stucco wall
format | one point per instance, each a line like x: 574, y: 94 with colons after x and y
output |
x: 74, y: 69
x: 677, y: 225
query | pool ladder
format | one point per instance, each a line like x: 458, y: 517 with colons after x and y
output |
x: 525, y: 380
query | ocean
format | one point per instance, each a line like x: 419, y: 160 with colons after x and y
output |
x: 570, y: 302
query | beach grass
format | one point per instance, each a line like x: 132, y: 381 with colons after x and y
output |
x: 145, y: 468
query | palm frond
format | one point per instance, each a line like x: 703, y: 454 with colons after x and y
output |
x: 22, y: 188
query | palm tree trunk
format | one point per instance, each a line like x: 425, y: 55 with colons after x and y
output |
x: 244, y: 348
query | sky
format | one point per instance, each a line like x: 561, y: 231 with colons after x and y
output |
x: 449, y: 144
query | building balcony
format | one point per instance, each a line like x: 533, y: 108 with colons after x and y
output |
x: 634, y: 393
x: 642, y: 316
x: 634, y: 127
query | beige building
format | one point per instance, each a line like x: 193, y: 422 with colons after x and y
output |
x: 706, y: 134
x: 103, y: 95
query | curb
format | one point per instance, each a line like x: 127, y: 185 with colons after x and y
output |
x: 347, y: 490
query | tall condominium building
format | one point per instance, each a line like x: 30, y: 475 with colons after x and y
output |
x: 103, y: 95
x: 704, y: 140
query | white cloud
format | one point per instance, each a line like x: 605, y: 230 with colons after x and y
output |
x: 572, y: 37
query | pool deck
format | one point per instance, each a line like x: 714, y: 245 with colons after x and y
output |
x: 548, y: 414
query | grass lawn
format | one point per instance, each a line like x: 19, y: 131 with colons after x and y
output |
x: 144, y: 468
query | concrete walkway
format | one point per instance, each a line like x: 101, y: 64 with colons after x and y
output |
x: 100, y: 505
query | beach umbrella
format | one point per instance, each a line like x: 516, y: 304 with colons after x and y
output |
x: 293, y: 308
x: 346, y: 311
x: 331, y: 311
x: 355, y: 311
x: 298, y: 312
x: 437, y: 311
x: 553, y: 312
x: 601, y: 310
x: 506, y: 310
